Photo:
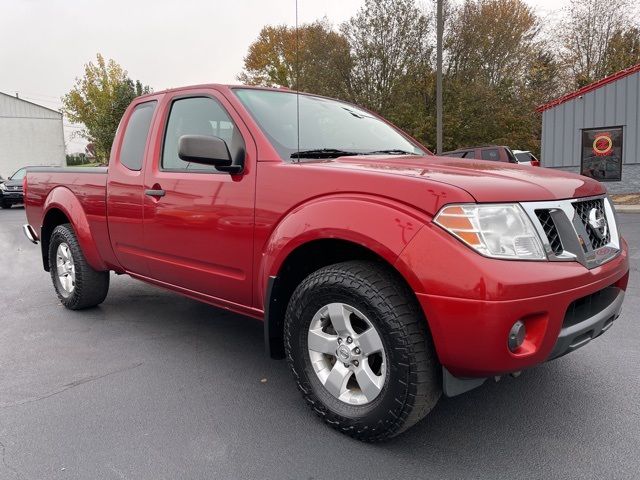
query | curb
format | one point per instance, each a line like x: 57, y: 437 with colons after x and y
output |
x: 627, y: 208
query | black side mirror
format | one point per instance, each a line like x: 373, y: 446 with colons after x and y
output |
x: 209, y: 150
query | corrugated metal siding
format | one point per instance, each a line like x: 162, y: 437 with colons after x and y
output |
x: 17, y: 108
x: 29, y: 135
x: 614, y: 104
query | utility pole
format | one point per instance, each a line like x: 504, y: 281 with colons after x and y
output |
x: 439, y: 29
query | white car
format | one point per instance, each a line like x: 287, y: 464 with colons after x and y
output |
x: 525, y: 157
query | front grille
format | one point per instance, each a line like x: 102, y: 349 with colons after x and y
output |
x: 582, y: 210
x: 550, y: 230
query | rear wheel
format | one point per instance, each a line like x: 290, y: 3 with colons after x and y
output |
x: 77, y: 285
x: 358, y: 346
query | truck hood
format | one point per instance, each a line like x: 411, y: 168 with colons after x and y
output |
x: 484, y: 180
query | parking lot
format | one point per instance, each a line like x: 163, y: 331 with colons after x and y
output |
x: 151, y: 385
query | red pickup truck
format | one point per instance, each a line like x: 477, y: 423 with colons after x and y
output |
x: 384, y: 274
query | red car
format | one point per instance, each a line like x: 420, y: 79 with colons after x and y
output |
x: 384, y: 274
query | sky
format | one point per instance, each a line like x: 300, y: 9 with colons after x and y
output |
x: 164, y: 43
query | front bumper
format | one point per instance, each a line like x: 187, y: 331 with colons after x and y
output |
x: 11, y: 198
x: 588, y: 318
x: 472, y: 302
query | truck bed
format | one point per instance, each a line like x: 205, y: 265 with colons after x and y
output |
x: 88, y: 185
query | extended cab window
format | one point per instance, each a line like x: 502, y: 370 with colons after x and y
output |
x: 195, y: 116
x: 490, y: 154
x: 135, y: 136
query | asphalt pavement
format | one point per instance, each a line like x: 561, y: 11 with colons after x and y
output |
x: 151, y: 385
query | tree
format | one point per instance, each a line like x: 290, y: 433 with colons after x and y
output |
x: 389, y: 40
x: 492, y: 40
x: 497, y: 71
x: 314, y: 56
x: 587, y: 33
x: 98, y: 100
x: 623, y: 50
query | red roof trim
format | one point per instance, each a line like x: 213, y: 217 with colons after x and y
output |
x: 587, y: 88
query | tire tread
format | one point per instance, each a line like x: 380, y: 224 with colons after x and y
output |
x: 411, y: 337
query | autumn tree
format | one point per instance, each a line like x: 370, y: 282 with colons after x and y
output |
x: 98, y: 101
x: 492, y: 40
x: 623, y: 50
x: 313, y: 55
x: 494, y: 58
x: 587, y: 33
x: 389, y: 42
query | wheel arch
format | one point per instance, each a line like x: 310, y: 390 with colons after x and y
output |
x: 302, y: 261
x: 327, y: 230
x: 62, y: 207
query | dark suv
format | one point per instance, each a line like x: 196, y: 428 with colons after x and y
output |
x: 11, y: 189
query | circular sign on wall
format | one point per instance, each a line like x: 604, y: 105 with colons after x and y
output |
x: 602, y: 144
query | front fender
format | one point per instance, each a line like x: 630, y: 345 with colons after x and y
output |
x: 61, y: 198
x: 381, y: 225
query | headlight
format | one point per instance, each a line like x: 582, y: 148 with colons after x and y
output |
x: 3, y: 187
x: 498, y: 230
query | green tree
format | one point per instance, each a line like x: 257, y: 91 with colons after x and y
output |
x: 623, y: 50
x: 495, y: 61
x: 491, y: 40
x: 98, y: 100
x: 389, y: 41
x: 314, y: 55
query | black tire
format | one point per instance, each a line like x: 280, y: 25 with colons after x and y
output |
x: 5, y: 206
x: 413, y: 382
x: 91, y: 286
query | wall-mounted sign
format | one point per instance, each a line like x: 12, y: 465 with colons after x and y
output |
x: 602, y: 153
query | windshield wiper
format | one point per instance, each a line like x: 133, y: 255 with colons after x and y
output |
x: 393, y: 151
x: 323, y: 153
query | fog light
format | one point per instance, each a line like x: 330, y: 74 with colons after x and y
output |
x: 516, y: 335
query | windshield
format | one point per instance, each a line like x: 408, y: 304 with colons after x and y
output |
x: 19, y: 175
x: 326, y: 126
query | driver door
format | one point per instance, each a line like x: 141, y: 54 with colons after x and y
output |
x: 199, y: 232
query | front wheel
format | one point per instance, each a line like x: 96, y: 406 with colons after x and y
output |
x: 77, y: 285
x: 359, y: 348
x: 5, y: 205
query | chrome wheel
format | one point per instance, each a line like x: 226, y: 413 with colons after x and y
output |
x: 66, y: 269
x: 347, y: 354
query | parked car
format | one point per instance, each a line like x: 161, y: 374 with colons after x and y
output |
x: 384, y: 274
x: 525, y: 157
x: 11, y: 189
x: 494, y: 153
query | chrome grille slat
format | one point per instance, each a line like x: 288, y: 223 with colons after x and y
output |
x: 566, y: 232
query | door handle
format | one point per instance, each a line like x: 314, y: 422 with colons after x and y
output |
x: 155, y: 193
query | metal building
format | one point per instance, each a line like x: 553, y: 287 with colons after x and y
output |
x: 595, y: 131
x: 30, y: 134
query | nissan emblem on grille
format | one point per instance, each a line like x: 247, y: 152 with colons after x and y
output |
x: 598, y: 223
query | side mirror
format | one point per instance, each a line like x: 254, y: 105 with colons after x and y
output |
x: 209, y: 150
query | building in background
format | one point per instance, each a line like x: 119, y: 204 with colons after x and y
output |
x: 595, y: 131
x: 30, y: 134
